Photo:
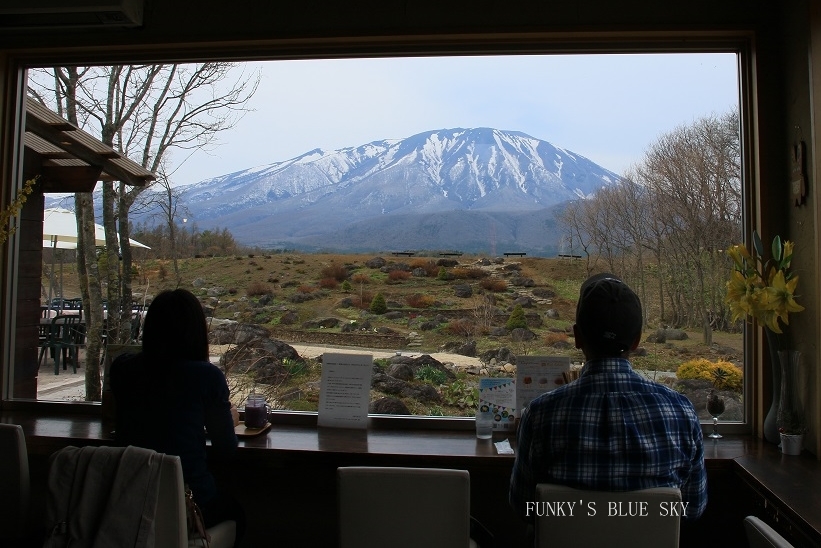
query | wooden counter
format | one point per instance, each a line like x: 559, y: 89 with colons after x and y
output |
x: 286, y: 478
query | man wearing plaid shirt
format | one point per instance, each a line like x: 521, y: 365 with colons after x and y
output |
x: 612, y: 429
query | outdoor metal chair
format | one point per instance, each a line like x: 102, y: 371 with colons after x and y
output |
x: 61, y: 341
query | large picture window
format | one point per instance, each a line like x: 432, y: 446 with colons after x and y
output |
x: 439, y: 213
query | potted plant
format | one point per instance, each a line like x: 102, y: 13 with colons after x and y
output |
x: 763, y: 290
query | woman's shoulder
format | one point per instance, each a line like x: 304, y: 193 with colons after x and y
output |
x: 201, y: 368
x: 127, y: 360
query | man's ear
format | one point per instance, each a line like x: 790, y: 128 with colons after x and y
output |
x: 635, y: 343
x: 577, y: 336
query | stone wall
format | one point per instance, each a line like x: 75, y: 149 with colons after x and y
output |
x: 365, y: 340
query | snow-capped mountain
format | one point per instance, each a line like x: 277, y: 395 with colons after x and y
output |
x: 462, y: 189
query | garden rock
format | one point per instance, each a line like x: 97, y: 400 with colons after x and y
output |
x: 552, y: 313
x: 393, y: 315
x: 428, y: 326
x: 675, y: 335
x: 522, y: 282
x: 462, y: 291
x: 237, y: 333
x: 498, y: 332
x: 388, y: 406
x: 521, y: 334
x: 543, y: 293
x: 325, y: 323
x: 354, y: 326
x: 423, y: 393
x: 503, y: 354
x: 376, y: 262
x: 533, y: 319
x: 525, y: 302
x: 401, y: 371
x: 421, y: 361
x: 198, y: 282
x: 562, y: 345
x: 419, y: 272
x: 261, y: 358
x: 467, y: 349
x: 289, y: 318
x: 447, y: 263
x: 213, y: 323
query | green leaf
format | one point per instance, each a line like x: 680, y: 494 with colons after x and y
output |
x: 777, y: 249
x: 759, y: 247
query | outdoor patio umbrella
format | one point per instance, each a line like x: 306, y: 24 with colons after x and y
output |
x: 60, y: 232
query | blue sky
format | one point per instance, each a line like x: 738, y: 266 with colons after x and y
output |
x: 609, y: 108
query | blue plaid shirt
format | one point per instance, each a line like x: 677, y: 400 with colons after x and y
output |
x: 610, y: 430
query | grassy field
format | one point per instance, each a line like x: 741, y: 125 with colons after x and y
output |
x: 302, y: 288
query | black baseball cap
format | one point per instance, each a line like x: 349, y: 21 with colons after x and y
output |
x: 608, y: 314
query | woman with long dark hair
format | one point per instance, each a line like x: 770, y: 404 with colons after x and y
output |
x: 169, y: 395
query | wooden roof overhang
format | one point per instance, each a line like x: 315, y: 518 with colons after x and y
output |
x: 70, y: 159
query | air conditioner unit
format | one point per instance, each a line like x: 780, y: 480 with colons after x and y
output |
x: 51, y: 14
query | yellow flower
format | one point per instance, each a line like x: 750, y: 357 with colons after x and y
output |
x: 769, y: 302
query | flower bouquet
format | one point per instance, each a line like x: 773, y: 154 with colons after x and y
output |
x: 764, y: 290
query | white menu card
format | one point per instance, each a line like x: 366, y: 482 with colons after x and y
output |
x: 536, y: 375
x: 344, y: 391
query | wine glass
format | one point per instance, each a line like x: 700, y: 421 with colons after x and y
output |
x: 715, y: 406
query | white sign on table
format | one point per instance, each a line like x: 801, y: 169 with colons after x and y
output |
x: 344, y: 392
x: 536, y: 375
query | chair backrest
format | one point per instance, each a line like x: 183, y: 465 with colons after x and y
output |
x: 646, y: 518
x: 170, y: 527
x: 14, y: 481
x: 403, y: 507
x: 761, y: 535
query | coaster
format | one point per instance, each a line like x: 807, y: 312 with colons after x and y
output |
x: 245, y: 432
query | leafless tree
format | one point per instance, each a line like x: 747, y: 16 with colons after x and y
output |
x: 676, y: 210
x: 144, y: 112
x: 166, y: 201
x: 693, y: 175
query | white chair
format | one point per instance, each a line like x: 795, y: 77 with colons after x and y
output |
x: 761, y: 535
x: 582, y: 529
x: 14, y: 482
x: 171, y: 525
x: 403, y: 507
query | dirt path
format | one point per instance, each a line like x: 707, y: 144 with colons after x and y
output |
x: 315, y: 350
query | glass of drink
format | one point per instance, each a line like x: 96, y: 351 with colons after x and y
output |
x: 484, y: 424
x: 256, y: 411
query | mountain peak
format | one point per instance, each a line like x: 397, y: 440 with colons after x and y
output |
x: 318, y: 194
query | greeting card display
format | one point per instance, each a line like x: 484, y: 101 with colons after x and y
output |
x: 499, y: 397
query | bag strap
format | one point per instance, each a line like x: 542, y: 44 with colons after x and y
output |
x: 196, y: 522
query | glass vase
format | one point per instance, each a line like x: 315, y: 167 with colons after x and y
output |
x: 770, y: 423
x: 790, y: 418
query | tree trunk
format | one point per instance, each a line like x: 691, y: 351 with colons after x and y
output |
x: 112, y: 273
x: 127, y: 295
x: 91, y: 291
